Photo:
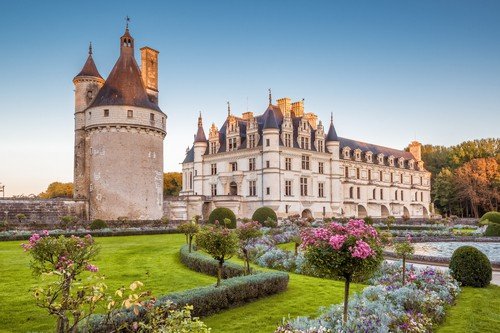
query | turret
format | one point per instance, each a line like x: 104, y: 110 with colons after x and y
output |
x: 87, y: 84
x: 333, y: 146
x: 200, y: 147
x: 270, y: 156
x: 332, y: 141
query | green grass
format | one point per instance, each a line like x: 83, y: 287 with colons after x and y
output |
x: 477, y: 310
x: 287, y: 246
x: 154, y: 260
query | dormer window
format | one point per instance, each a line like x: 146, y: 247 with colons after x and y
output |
x: 213, y: 147
x: 369, y: 157
x: 401, y: 162
x: 288, y: 140
x: 411, y: 164
x: 357, y: 154
x: 380, y: 158
x: 346, y: 152
x: 391, y: 160
x: 251, y: 141
x: 321, y: 146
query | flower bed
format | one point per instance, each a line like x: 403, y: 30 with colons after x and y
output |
x: 387, y: 305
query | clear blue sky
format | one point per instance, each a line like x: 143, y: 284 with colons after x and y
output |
x: 390, y: 71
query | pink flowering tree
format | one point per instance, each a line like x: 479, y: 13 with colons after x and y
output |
x: 60, y: 261
x: 351, y: 251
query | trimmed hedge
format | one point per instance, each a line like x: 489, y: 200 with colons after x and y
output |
x: 492, y: 230
x: 221, y: 213
x: 201, y: 263
x: 493, y: 217
x: 263, y: 213
x: 98, y: 224
x: 470, y: 267
x: 206, y: 300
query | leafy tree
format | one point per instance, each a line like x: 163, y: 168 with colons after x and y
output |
x: 189, y: 229
x: 444, y: 191
x: 219, y: 242
x: 478, y: 182
x: 58, y: 190
x: 404, y: 250
x: 352, y: 251
x: 172, y: 183
x: 246, y: 233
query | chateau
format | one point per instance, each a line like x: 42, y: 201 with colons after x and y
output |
x: 119, y: 132
x: 286, y: 159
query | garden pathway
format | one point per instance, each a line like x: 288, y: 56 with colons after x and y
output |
x: 495, y: 278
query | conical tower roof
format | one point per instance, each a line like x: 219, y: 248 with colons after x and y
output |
x: 89, y: 69
x: 332, y: 133
x: 200, y: 135
x: 124, y: 84
x: 270, y: 119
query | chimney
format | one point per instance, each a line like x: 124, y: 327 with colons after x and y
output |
x: 312, y: 119
x: 298, y: 108
x: 415, y: 149
x: 149, y: 71
x: 247, y: 115
x: 285, y: 105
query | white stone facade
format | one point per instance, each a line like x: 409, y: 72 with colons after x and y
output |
x: 306, y: 172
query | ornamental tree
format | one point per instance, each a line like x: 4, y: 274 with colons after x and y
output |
x: 246, y: 233
x: 189, y: 229
x: 220, y: 243
x: 64, y: 294
x: 404, y: 250
x: 351, y: 251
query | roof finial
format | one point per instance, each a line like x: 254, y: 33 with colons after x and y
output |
x: 331, y: 118
x: 200, y: 122
x: 228, y: 108
x: 90, y: 48
x: 127, y: 20
x: 270, y: 97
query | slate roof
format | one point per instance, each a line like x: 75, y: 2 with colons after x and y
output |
x: 200, y: 135
x: 89, y: 68
x: 273, y: 117
x: 124, y: 84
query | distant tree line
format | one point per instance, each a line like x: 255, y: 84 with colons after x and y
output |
x: 465, y: 178
x: 172, y: 185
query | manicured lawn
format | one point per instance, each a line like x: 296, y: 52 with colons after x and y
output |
x: 154, y: 260
x: 477, y: 310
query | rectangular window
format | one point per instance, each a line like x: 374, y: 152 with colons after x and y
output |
x: 286, y: 208
x: 213, y: 169
x: 106, y: 113
x: 214, y: 189
x: 232, y: 144
x: 320, y: 146
x: 421, y: 180
x: 233, y: 166
x: 303, y: 186
x: 268, y: 164
x: 392, y: 177
x: 369, y: 175
x: 305, y: 162
x: 346, y: 172
x: 321, y: 167
x: 381, y: 176
x: 251, y: 164
x: 268, y: 190
x: 288, y: 188
x: 288, y: 140
x: 307, y: 143
x: 381, y: 194
x: 421, y: 196
x: 321, y: 190
x: 357, y: 173
x: 252, y: 190
x: 401, y: 178
x: 402, y: 198
x: 268, y: 142
x: 288, y: 163
x: 411, y: 179
x: 213, y: 147
x: 251, y: 141
x: 358, y: 192
x: 130, y: 114
x: 152, y: 117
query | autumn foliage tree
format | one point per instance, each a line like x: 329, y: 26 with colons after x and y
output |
x: 58, y: 190
x: 172, y: 183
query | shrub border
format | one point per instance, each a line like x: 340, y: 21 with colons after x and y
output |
x: 208, y: 300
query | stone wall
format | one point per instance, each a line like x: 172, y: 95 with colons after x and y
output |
x: 42, y: 210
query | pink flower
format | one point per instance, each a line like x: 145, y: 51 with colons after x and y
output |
x: 336, y: 241
x: 361, y: 250
x: 92, y: 268
x: 322, y: 234
x: 45, y: 233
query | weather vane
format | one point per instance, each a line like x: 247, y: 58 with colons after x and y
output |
x: 127, y: 19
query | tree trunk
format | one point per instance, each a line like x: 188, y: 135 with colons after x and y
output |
x: 404, y: 269
x: 219, y: 272
x: 62, y: 325
x: 296, y: 249
x: 247, y: 262
x: 346, y: 297
x: 190, y: 242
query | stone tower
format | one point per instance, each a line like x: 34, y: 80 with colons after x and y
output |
x: 333, y: 147
x: 119, y: 167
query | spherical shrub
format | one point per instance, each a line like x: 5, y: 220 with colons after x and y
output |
x: 493, y: 217
x: 98, y: 224
x: 470, y: 267
x: 221, y: 213
x: 492, y: 230
x: 263, y: 213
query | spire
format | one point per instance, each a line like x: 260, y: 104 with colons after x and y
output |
x: 89, y: 68
x: 126, y: 41
x: 200, y: 134
x: 228, y: 108
x: 270, y: 119
x: 332, y: 133
x: 270, y: 97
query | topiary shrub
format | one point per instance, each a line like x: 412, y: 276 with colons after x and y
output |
x: 98, y: 224
x: 492, y: 230
x: 263, y: 213
x: 221, y: 213
x: 368, y: 220
x: 470, y: 267
x: 493, y: 217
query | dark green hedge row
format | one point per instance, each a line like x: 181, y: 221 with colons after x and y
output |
x: 203, y: 264
x: 412, y: 227
x: 207, y: 300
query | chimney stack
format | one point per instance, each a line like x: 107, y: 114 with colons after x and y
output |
x: 285, y: 105
x: 415, y: 149
x: 298, y: 108
x: 149, y: 71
